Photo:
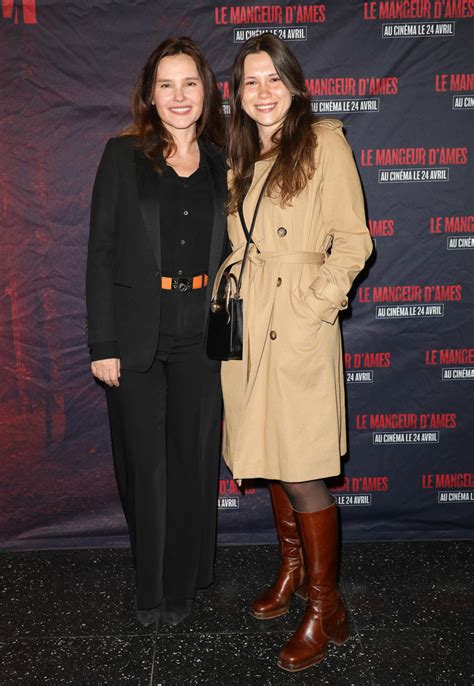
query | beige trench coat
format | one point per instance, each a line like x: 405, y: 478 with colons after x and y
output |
x: 284, y: 407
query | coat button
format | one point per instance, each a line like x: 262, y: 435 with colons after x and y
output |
x: 282, y: 231
x: 278, y: 281
x: 273, y: 335
x: 344, y: 303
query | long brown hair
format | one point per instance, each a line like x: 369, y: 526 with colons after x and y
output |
x: 294, y: 142
x: 153, y: 137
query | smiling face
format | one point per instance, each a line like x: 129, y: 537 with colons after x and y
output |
x: 265, y: 98
x: 178, y: 93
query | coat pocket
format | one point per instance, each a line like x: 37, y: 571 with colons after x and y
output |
x: 305, y: 325
x: 302, y: 307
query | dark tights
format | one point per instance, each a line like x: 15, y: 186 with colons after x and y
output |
x: 308, y: 496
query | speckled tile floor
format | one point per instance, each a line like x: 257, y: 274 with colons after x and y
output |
x: 67, y: 618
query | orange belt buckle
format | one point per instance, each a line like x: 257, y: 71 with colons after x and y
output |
x: 198, y: 281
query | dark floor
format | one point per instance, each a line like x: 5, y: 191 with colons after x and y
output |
x: 67, y: 618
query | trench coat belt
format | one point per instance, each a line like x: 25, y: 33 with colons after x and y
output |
x: 295, y: 257
x: 259, y: 258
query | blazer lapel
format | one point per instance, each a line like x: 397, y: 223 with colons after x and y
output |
x: 148, y: 184
x: 217, y: 177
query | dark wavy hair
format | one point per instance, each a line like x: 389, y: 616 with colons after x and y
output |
x: 294, y: 142
x: 153, y: 137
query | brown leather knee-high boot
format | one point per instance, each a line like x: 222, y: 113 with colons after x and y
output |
x: 325, y: 619
x: 275, y: 601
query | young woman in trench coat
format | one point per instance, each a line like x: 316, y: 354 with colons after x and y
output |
x: 284, y: 402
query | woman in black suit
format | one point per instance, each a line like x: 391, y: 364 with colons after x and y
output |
x: 157, y: 237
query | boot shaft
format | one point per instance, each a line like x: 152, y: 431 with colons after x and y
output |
x: 319, y: 534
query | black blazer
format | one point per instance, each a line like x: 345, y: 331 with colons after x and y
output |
x: 123, y: 282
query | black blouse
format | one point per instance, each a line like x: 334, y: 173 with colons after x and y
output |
x: 186, y: 214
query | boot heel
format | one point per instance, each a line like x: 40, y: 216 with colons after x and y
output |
x: 341, y: 634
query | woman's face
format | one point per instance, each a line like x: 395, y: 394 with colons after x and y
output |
x: 178, y: 92
x: 265, y: 98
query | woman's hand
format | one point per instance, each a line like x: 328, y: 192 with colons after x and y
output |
x: 107, y: 371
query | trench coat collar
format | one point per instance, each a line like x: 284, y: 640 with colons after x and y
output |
x: 148, y: 192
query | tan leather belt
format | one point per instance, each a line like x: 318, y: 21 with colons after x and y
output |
x: 183, y: 283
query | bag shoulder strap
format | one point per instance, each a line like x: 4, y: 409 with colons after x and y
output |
x: 252, y: 226
x: 248, y: 234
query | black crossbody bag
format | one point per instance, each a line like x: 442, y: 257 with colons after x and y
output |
x: 225, y: 329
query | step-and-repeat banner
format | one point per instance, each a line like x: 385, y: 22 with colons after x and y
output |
x: 399, y: 75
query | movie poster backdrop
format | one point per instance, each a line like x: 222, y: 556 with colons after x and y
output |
x: 400, y: 77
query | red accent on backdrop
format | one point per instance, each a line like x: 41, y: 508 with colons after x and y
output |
x: 23, y: 11
x: 403, y: 87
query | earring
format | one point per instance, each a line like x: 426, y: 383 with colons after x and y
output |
x: 152, y: 102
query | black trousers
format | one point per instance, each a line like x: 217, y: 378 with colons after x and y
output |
x: 165, y: 426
